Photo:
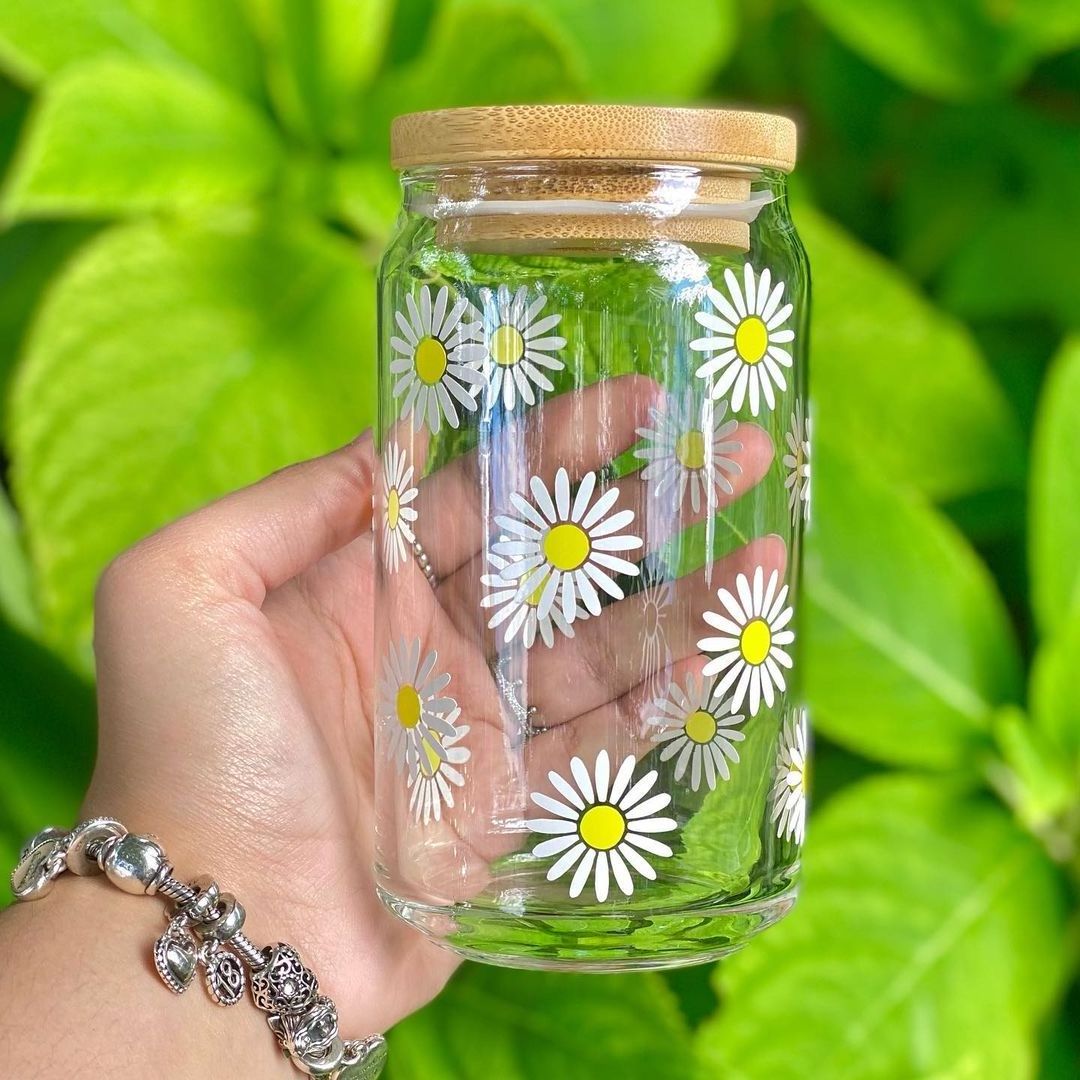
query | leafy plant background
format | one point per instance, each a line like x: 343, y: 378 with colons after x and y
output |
x: 194, y: 195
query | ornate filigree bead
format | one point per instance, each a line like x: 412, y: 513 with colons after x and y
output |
x: 310, y: 1033
x: 284, y: 985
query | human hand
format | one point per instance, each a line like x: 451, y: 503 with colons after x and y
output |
x: 237, y: 685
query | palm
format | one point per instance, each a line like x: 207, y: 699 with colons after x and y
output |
x: 314, y: 633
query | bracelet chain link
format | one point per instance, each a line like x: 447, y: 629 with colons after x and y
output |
x: 205, y: 930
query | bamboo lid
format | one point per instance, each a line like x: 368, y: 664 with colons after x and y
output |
x: 600, y: 132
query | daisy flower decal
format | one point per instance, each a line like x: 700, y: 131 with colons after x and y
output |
x: 517, y: 612
x: 601, y: 826
x: 397, y: 513
x: 413, y: 705
x: 434, y: 777
x: 656, y: 595
x: 699, y: 732
x: 520, y: 344
x: 790, y: 785
x: 797, y: 463
x: 438, y: 359
x: 562, y: 549
x: 747, y: 332
x: 751, y: 653
x: 688, y: 450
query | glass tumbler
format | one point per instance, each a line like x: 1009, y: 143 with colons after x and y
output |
x: 592, y: 483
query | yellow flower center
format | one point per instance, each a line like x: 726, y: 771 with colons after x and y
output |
x: 430, y: 360
x: 602, y: 827
x: 393, y: 508
x: 429, y: 760
x: 507, y: 345
x: 690, y: 449
x: 755, y: 641
x: 751, y: 339
x: 408, y: 706
x: 566, y: 546
x: 700, y: 727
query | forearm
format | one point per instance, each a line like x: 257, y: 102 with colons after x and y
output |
x: 79, y: 997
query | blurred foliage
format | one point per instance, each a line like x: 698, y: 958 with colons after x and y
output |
x: 194, y: 195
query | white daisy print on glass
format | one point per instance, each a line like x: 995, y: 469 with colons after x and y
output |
x: 438, y: 361
x: 398, y: 515
x: 517, y: 613
x: 699, y: 732
x: 434, y: 777
x: 747, y: 335
x: 797, y: 463
x: 688, y: 450
x: 602, y: 827
x: 790, y: 784
x: 656, y: 595
x: 751, y: 653
x: 563, y: 548
x: 520, y: 344
x: 414, y: 705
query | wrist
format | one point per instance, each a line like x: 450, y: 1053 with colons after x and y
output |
x: 82, y: 958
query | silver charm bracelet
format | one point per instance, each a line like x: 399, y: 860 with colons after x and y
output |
x: 205, y: 930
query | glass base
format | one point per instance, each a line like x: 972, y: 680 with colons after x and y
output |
x: 619, y: 941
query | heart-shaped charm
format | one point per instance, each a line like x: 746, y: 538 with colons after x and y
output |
x: 364, y: 1058
x: 175, y: 956
x: 225, y: 977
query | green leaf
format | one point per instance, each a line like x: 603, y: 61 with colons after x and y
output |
x: 928, y: 941
x: 46, y: 736
x: 511, y: 1025
x: 1034, y: 778
x: 319, y: 56
x: 1054, y: 517
x: 366, y: 196
x: 115, y: 136
x: 17, y: 606
x: 897, y: 381
x: 30, y: 254
x: 960, y: 49
x: 993, y: 179
x: 907, y: 648
x: 1055, y: 703
x: 41, y: 37
x: 619, y: 56
x: 474, y: 54
x: 239, y: 346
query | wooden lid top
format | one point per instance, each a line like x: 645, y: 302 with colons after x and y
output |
x: 602, y: 132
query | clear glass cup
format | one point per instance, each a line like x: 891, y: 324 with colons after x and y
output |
x: 593, y: 483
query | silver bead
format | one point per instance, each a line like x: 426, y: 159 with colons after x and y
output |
x: 135, y: 864
x: 325, y: 1062
x: 34, y: 876
x: 51, y: 832
x: 90, y: 835
x: 227, y: 923
x: 284, y: 985
x: 310, y: 1033
x: 199, y: 909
